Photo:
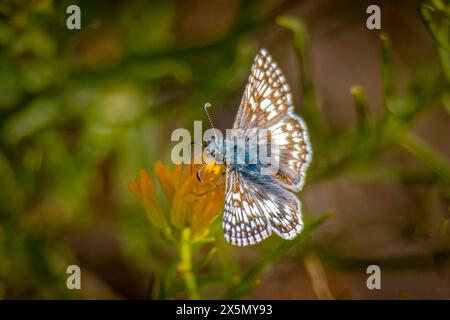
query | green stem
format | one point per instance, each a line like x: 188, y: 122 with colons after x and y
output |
x: 421, y: 150
x: 185, y: 266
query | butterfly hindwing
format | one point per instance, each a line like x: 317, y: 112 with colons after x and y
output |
x: 252, y: 210
x: 283, y: 211
x: 243, y: 222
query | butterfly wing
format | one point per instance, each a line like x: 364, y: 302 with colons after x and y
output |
x: 293, y: 152
x: 266, y: 97
x: 283, y: 210
x: 252, y: 210
x: 267, y: 103
x: 243, y: 222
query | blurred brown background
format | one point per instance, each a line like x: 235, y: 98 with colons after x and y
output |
x: 83, y: 111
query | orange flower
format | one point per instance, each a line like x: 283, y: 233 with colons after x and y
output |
x: 193, y: 204
x: 144, y: 189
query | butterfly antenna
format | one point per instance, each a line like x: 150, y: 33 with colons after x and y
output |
x: 205, y: 108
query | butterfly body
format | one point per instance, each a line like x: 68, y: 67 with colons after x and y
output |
x: 259, y: 201
x: 227, y: 152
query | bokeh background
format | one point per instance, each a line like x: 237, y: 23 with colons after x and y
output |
x: 82, y: 111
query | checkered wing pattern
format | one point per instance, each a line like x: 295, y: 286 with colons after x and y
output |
x: 253, y: 211
x: 255, y: 208
x: 243, y: 222
x: 267, y: 103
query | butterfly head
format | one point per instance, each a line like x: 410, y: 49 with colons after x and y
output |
x: 214, y: 150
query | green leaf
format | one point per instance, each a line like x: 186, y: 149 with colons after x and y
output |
x: 165, y: 291
x: 363, y: 124
x: 429, y: 157
x: 436, y: 17
x: 206, y: 259
x: 387, y: 76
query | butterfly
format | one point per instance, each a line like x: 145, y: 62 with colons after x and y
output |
x: 258, y: 204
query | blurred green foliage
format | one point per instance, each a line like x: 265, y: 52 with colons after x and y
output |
x: 82, y: 111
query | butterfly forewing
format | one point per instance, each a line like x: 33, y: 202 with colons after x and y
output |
x: 267, y: 104
x: 266, y: 97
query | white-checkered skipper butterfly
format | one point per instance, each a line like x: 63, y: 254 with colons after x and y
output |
x: 256, y: 204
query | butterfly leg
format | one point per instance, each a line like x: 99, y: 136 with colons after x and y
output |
x: 209, y: 190
x: 216, y: 184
